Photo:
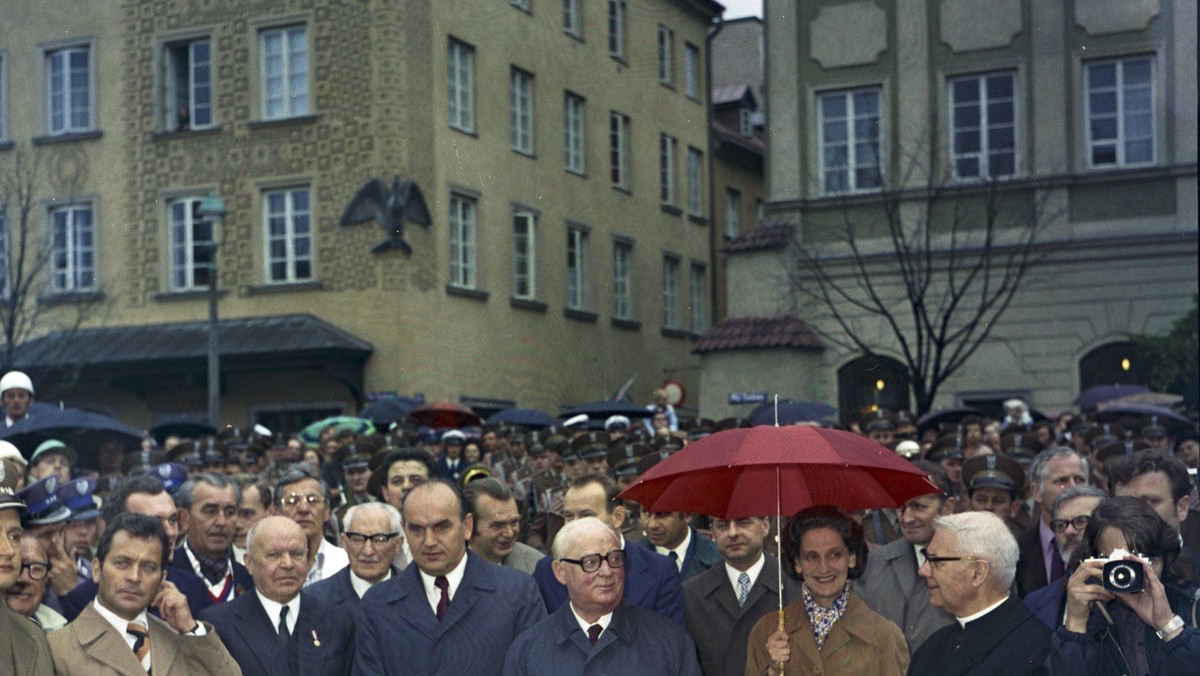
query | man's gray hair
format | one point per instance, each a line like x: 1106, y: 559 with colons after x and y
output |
x: 568, y: 533
x: 1037, y: 470
x: 185, y: 498
x: 984, y: 535
x: 1077, y: 492
x: 392, y: 512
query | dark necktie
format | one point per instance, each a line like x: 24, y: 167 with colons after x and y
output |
x: 1057, y: 568
x: 284, y: 634
x: 214, y: 570
x: 141, y: 640
x: 594, y: 633
x: 444, y: 602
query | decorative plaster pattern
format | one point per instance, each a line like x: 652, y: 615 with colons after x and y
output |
x: 970, y: 25
x: 1100, y: 17
x: 848, y: 35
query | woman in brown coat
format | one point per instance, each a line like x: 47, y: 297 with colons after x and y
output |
x: 829, y: 629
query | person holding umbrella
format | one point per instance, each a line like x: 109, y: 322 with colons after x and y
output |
x: 828, y: 629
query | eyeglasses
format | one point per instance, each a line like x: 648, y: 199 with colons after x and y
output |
x: 359, y: 539
x: 590, y: 563
x: 37, y: 571
x: 293, y: 499
x: 1079, y: 522
x: 933, y: 559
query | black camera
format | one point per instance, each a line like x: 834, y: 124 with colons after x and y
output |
x: 1126, y: 576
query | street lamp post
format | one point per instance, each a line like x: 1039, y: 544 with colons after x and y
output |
x: 212, y: 210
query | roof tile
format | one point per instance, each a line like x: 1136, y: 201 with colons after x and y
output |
x: 757, y: 333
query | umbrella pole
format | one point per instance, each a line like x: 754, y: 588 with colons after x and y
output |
x: 779, y: 535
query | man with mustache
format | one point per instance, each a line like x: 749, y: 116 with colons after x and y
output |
x: 277, y: 628
x: 115, y: 635
x: 208, y: 507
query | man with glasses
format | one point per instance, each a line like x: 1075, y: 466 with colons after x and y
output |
x: 371, y: 539
x: 969, y: 568
x: 302, y: 496
x: 23, y: 647
x: 1072, y: 510
x: 450, y: 612
x: 25, y: 597
x: 597, y: 631
x: 275, y: 629
x: 1053, y: 471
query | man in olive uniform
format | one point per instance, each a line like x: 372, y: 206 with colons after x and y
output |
x: 23, y: 647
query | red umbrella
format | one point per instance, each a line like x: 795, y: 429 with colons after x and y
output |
x: 735, y: 473
x: 444, y: 414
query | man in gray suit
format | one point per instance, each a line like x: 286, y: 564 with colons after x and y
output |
x: 723, y: 603
x: 497, y: 524
x: 890, y: 585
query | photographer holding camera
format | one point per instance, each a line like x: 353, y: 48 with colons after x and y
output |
x: 1107, y: 631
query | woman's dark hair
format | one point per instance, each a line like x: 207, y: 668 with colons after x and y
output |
x: 1145, y: 533
x: 835, y: 519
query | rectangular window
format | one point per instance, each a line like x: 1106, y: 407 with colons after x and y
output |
x: 191, y: 246
x: 666, y: 42
x: 285, y: 72
x: 577, y: 255
x: 691, y: 71
x: 622, y: 274
x: 666, y: 172
x: 572, y: 22
x: 69, y: 90
x: 983, y: 125
x: 520, y: 107
x: 524, y: 255
x: 187, y: 90
x: 1120, y: 112
x: 695, y: 179
x: 733, y: 212
x: 670, y: 292
x: 849, y: 131
x: 618, y: 146
x: 746, y: 122
x: 287, y: 216
x: 760, y: 210
x: 73, y: 254
x: 616, y: 28
x: 460, y: 85
x: 463, y: 273
x: 699, y: 298
x: 573, y: 132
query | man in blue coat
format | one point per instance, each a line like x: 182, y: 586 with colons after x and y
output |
x: 598, y: 632
x: 277, y: 630
x: 651, y: 580
x: 450, y: 612
x: 371, y: 539
x: 672, y: 535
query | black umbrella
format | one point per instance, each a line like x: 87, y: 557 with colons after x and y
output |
x: 601, y: 410
x: 1166, y: 417
x: 1093, y: 396
x: 790, y: 411
x: 384, y: 412
x: 82, y: 430
x: 180, y: 425
x: 530, y: 418
x: 935, y: 419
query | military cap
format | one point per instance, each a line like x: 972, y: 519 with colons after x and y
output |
x: 1114, y: 449
x: 1021, y: 443
x: 615, y: 422
x: 946, y: 447
x: 185, y: 453
x: 623, y: 452
x: 454, y: 437
x: 590, y: 445
x: 908, y: 448
x: 1152, y: 428
x: 651, y: 459
x: 171, y: 475
x: 41, y: 499
x: 994, y: 471
x: 352, y: 457
x: 626, y: 468
x: 10, y: 452
x: 1102, y: 433
x: 879, y: 419
x: 77, y: 496
x: 52, y: 446
x: 10, y: 474
x: 578, y: 422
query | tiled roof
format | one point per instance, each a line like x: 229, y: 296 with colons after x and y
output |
x: 768, y: 234
x: 731, y: 94
x: 758, y: 333
x: 724, y: 133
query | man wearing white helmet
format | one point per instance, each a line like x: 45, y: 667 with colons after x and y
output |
x: 16, y: 391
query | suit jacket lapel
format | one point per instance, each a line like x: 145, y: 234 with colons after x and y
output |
x: 100, y: 640
x: 635, y: 586
x: 414, y: 604
x: 312, y: 652
x: 260, y: 635
x: 476, y: 580
x: 19, y: 650
x: 164, y: 646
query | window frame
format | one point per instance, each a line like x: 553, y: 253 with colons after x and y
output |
x: 525, y: 251
x: 464, y: 237
x: 618, y: 147
x: 733, y: 212
x: 190, y: 247
x: 622, y: 282
x: 69, y: 268
x: 698, y: 273
x: 68, y: 127
x: 574, y: 133
x: 695, y: 178
x: 1121, y: 90
x: 572, y: 19
x: 292, y: 258
x: 746, y: 122
x: 668, y: 193
x: 670, y: 292
x: 851, y: 141
x: 290, y: 102
x: 520, y: 110
x: 984, y: 126
x: 617, y: 33
x: 666, y: 63
x: 691, y: 71
x: 460, y: 95
x: 577, y: 296
x: 169, y: 83
x: 3, y: 96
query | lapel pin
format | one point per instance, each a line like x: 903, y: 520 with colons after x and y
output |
x: 316, y: 641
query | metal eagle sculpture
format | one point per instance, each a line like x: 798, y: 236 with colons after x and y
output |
x: 391, y: 208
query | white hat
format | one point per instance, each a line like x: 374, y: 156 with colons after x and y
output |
x: 616, y: 421
x: 580, y: 419
x: 17, y: 380
x: 11, y: 452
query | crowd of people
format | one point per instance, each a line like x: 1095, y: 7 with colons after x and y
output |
x: 505, y: 550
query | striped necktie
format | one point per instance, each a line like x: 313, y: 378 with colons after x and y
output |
x: 141, y: 640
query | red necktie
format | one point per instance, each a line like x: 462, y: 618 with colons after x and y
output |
x: 442, y: 583
x: 594, y: 633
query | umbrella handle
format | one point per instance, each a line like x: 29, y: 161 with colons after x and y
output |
x: 781, y: 664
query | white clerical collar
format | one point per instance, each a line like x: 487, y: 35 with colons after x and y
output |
x: 361, y: 586
x: 752, y: 572
x: 962, y: 621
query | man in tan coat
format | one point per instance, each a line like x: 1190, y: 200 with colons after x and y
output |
x: 115, y: 635
x: 23, y: 649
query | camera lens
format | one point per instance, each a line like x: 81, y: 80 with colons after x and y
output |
x: 1122, y: 576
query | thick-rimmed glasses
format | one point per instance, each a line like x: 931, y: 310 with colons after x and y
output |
x: 1080, y: 522
x: 37, y: 571
x: 590, y: 563
x: 933, y: 559
x: 378, y: 539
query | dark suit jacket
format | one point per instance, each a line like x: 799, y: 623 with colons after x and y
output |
x: 325, y: 632
x: 637, y: 641
x: 399, y: 633
x: 702, y: 554
x: 188, y: 584
x: 242, y: 582
x: 339, y: 591
x: 651, y: 582
x: 1048, y: 603
x: 1031, y: 567
x: 1006, y: 642
x: 892, y: 588
x: 442, y: 469
x: 719, y: 626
